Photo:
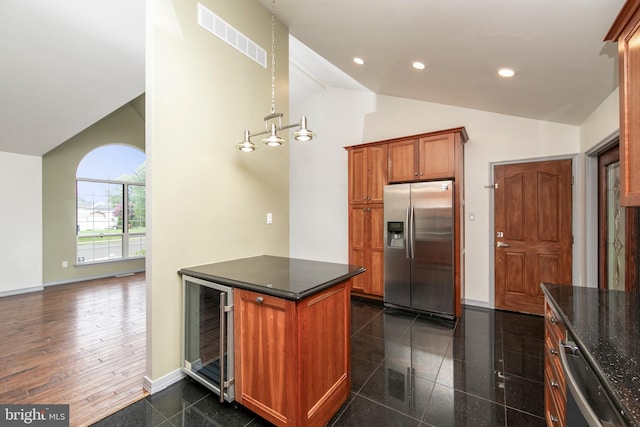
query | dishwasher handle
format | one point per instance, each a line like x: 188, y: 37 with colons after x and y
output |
x: 569, y: 349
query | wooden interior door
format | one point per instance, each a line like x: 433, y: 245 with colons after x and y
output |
x: 533, y: 232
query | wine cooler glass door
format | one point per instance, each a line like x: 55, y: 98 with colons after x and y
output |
x: 208, y: 335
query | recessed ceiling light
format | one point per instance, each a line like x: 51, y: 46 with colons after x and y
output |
x: 418, y: 65
x: 506, y: 72
x: 358, y: 61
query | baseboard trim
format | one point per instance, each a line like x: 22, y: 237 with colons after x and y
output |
x: 21, y: 291
x: 477, y: 303
x: 94, y: 277
x: 154, y: 386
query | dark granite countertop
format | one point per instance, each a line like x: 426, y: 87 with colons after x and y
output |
x: 606, y: 326
x: 287, y: 278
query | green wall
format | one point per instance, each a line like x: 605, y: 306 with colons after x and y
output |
x: 207, y: 201
x: 123, y: 126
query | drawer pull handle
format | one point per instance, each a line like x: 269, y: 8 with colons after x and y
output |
x: 554, y: 384
x: 553, y: 351
x: 259, y: 299
x: 553, y: 319
x: 554, y: 419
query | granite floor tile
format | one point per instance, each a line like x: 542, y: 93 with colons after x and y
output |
x: 524, y: 395
x: 140, y: 414
x: 178, y: 397
x: 451, y: 408
x: 406, y: 370
x: 361, y: 370
x: 212, y: 413
x: 364, y: 412
x: 392, y: 386
x: 367, y: 347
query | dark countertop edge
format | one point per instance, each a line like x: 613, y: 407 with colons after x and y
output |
x: 616, y: 398
x: 293, y: 296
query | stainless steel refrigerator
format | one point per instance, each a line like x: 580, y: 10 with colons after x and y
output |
x: 419, y: 245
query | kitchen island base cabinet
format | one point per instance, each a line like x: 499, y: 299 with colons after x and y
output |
x: 293, y: 357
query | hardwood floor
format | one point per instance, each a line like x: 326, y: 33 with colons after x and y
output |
x: 81, y: 344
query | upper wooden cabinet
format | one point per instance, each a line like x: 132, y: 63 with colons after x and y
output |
x: 424, y: 158
x: 367, y: 174
x: 626, y: 31
x: 402, y: 161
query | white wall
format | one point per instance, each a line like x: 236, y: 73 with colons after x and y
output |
x: 603, y: 122
x: 597, y: 131
x: 318, y: 174
x: 21, y: 219
x: 493, y: 138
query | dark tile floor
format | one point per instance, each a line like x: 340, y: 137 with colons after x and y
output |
x: 407, y: 370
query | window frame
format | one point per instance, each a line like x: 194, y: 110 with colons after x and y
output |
x: 124, y: 235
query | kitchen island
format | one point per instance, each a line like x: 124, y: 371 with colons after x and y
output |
x: 291, y: 351
x: 605, y: 326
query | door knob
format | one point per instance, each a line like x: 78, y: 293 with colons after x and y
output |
x: 503, y: 245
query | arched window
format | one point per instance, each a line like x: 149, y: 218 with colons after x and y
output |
x: 110, y: 205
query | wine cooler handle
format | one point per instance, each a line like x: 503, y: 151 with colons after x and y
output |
x: 223, y: 339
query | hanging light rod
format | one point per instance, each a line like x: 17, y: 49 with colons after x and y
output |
x: 273, y: 122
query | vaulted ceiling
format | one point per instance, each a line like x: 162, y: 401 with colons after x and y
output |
x: 65, y: 64
x: 68, y: 63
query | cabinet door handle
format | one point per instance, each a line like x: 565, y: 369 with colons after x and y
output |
x: 554, y: 419
x: 554, y: 384
x: 259, y: 299
x: 553, y: 351
x: 421, y: 173
x: 415, y: 174
x: 553, y: 320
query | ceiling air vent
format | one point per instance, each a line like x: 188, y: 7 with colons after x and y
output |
x: 217, y: 26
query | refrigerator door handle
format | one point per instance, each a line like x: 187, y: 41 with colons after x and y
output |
x: 412, y: 233
x: 407, y: 231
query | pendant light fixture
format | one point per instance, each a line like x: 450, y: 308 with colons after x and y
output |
x: 273, y: 121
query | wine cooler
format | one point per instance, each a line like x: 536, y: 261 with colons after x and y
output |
x: 208, y: 335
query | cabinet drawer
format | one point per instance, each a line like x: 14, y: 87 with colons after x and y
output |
x: 553, y: 320
x: 555, y: 388
x: 554, y: 403
x: 552, y: 361
x: 262, y: 299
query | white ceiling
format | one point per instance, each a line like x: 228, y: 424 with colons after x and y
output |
x: 564, y: 70
x: 68, y: 63
x: 64, y: 65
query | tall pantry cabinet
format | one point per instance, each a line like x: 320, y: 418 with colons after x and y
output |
x: 424, y: 157
x: 367, y: 178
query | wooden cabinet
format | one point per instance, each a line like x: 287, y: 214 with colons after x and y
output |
x: 292, y: 358
x: 366, y: 247
x: 626, y: 31
x: 428, y: 156
x: 555, y: 389
x: 402, y: 161
x: 425, y: 158
x: 367, y: 174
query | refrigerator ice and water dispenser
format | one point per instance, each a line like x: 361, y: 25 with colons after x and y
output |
x: 395, y: 234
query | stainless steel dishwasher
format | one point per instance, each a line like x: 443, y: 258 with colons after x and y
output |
x: 588, y: 404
